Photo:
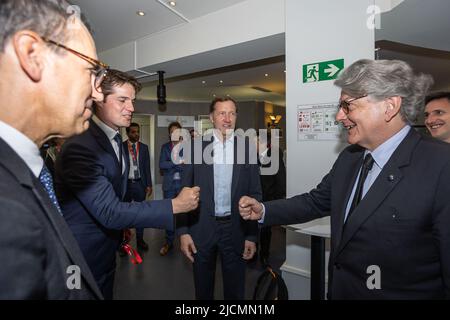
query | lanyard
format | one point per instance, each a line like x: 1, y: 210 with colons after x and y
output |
x: 130, y: 150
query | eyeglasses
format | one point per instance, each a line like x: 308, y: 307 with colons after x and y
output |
x: 100, y: 69
x: 345, y: 104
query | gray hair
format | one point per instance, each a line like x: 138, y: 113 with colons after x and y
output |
x: 381, y: 79
x: 47, y: 18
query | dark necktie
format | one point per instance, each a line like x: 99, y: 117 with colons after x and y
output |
x: 118, y: 139
x: 366, y: 167
x: 46, y: 179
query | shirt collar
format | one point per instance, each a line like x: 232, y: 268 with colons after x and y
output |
x: 110, y: 132
x: 383, y: 152
x: 23, y: 146
x: 217, y: 139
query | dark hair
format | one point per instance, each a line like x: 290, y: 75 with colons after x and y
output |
x: 47, y: 18
x: 437, y: 95
x: 133, y: 124
x: 212, y: 106
x: 116, y: 78
x: 174, y: 124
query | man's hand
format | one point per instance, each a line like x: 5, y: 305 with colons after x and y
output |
x: 250, y: 209
x: 249, y: 250
x: 187, y: 200
x: 148, y: 191
x: 187, y: 246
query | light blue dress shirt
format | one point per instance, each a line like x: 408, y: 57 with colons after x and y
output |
x: 223, y: 174
x: 381, y: 155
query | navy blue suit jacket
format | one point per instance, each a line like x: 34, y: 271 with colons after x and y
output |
x: 402, y: 225
x: 167, y: 166
x: 143, y: 162
x: 201, y: 224
x: 90, y: 189
x: 36, y: 245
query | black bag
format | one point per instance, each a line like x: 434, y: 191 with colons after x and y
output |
x: 270, y: 286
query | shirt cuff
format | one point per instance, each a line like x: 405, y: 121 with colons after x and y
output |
x: 261, y: 221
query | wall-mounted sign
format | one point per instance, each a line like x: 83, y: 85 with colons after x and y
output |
x: 322, y: 71
x: 317, y: 122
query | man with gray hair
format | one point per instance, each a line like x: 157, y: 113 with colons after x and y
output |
x: 387, y: 193
x: 50, y: 77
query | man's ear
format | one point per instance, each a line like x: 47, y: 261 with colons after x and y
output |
x: 393, y: 105
x: 29, y: 50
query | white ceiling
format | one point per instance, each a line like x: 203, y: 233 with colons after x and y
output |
x: 115, y: 21
x: 414, y: 22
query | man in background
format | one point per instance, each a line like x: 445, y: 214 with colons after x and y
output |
x: 437, y: 115
x: 139, y: 185
x: 171, y: 176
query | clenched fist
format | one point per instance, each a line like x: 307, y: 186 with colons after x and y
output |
x: 187, y: 200
x: 250, y: 209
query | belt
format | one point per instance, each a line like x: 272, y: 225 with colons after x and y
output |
x: 134, y: 180
x: 223, y: 218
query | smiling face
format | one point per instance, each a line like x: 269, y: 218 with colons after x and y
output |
x: 365, y: 122
x: 116, y: 111
x: 437, y: 118
x: 224, y: 116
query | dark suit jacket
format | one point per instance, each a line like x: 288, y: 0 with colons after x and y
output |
x: 274, y: 185
x: 90, y: 189
x: 401, y: 225
x: 36, y: 245
x: 143, y: 162
x: 167, y: 167
x: 201, y: 224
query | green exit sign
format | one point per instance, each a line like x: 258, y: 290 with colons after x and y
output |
x: 322, y: 71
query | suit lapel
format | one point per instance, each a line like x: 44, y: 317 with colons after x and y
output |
x: 348, y: 175
x: 25, y: 177
x: 236, y: 169
x: 209, y: 168
x: 386, y: 181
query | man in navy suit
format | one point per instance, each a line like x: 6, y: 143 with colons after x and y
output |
x: 387, y: 193
x: 46, y: 89
x: 217, y: 228
x: 139, y: 184
x: 91, y: 179
x: 172, y: 176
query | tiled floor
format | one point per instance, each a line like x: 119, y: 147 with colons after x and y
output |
x: 170, y: 277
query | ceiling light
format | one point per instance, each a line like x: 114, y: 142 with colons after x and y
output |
x: 266, y: 75
x: 203, y: 81
x: 140, y: 13
x: 172, y: 3
x: 221, y: 81
x: 284, y: 71
x: 214, y: 95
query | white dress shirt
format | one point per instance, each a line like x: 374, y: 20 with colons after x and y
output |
x: 23, y: 146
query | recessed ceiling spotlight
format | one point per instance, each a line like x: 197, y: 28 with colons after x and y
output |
x: 203, y: 81
x: 220, y: 81
x: 172, y: 3
x: 140, y: 13
x: 266, y: 75
x: 228, y: 95
x: 214, y: 95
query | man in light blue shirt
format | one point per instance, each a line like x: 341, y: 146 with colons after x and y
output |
x: 217, y: 228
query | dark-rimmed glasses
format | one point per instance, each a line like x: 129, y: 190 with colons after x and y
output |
x: 345, y: 104
x: 100, y: 69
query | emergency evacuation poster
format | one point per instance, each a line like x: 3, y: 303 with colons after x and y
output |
x: 317, y: 122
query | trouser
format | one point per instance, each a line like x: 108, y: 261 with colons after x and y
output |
x: 265, y: 236
x: 233, y: 266
x: 171, y: 194
x: 136, y: 192
x: 106, y: 284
